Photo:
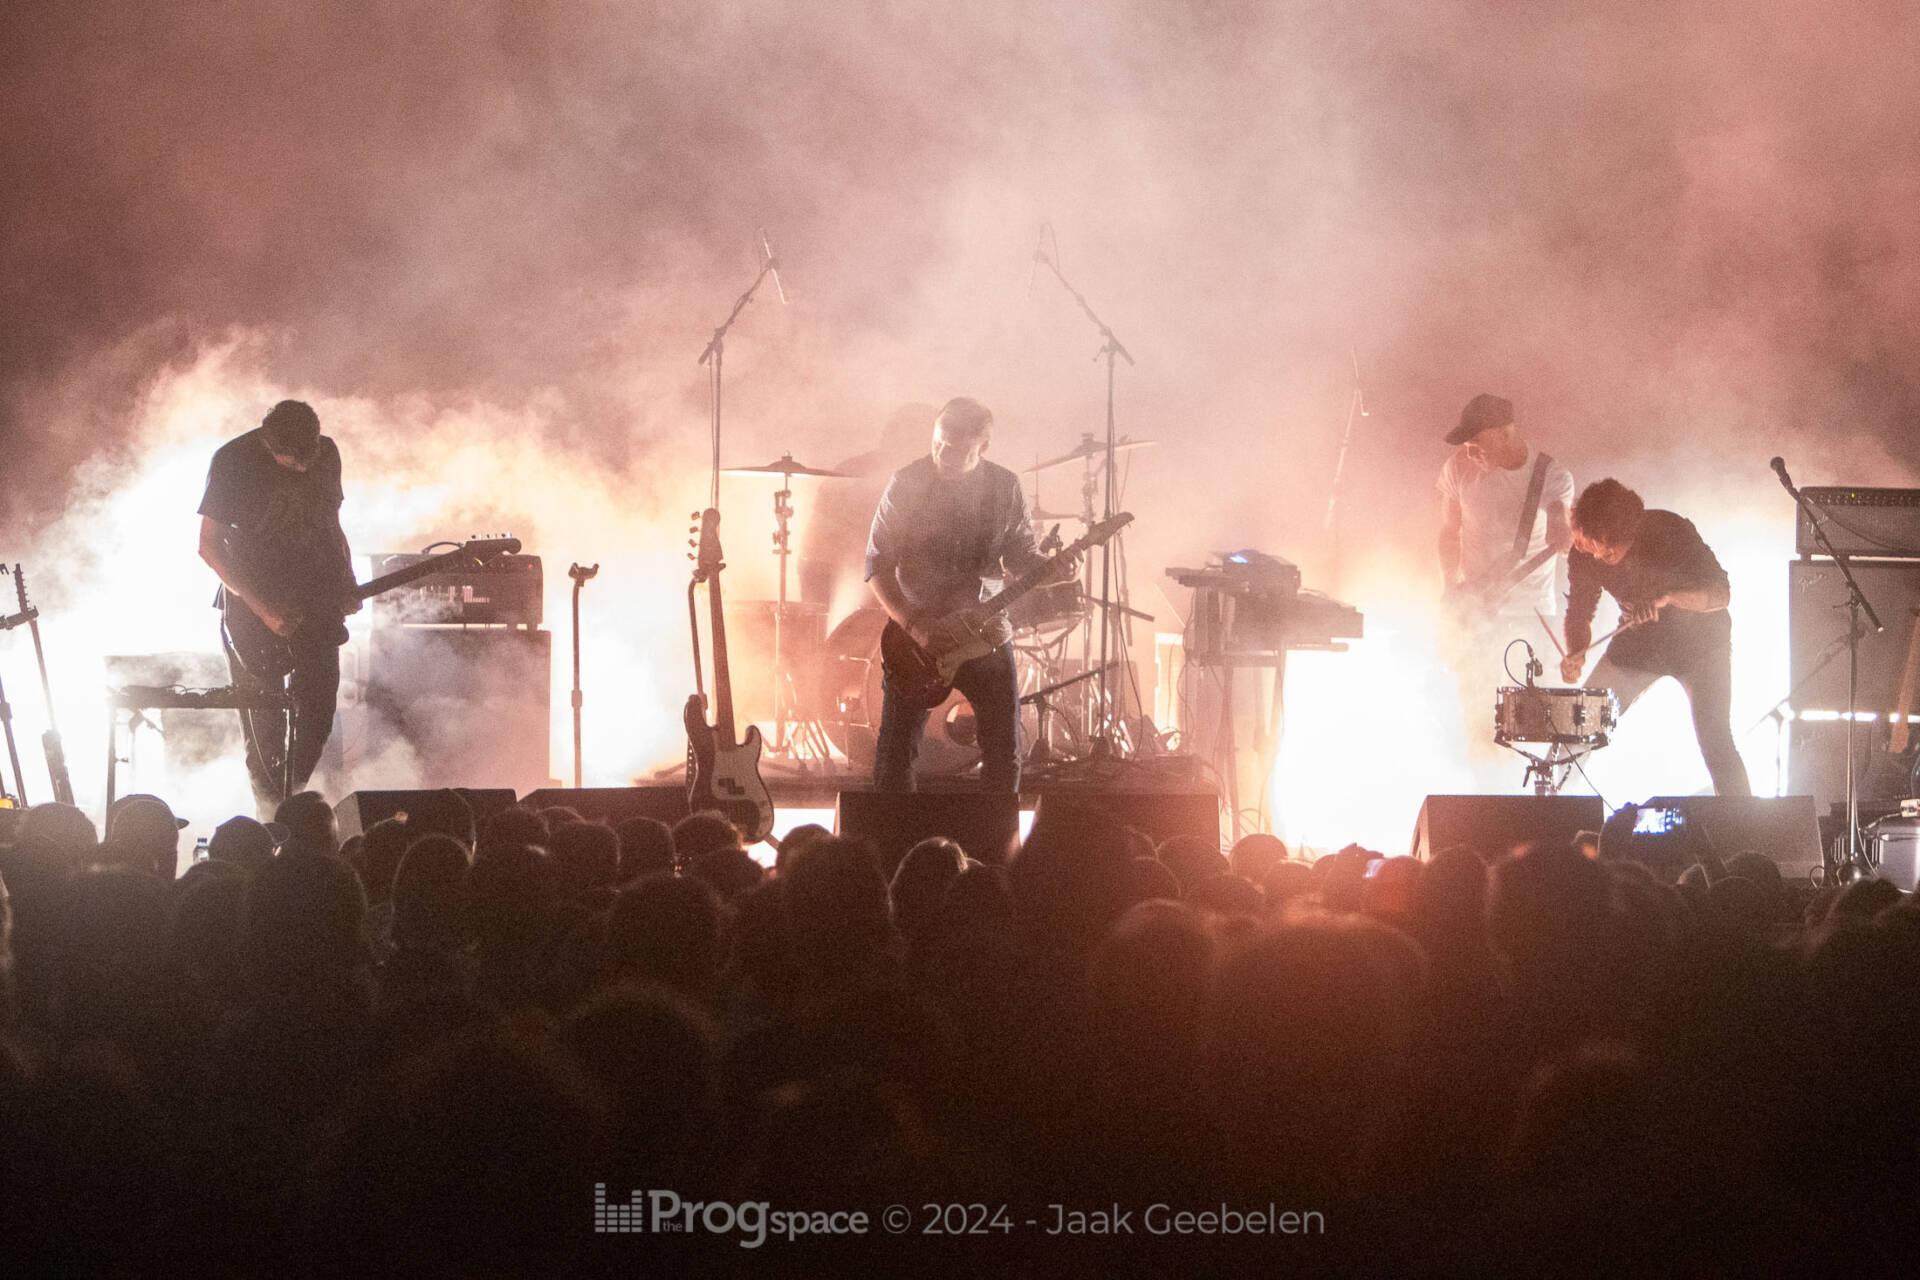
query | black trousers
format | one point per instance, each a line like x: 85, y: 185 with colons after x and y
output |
x: 313, y: 683
x: 992, y: 687
x: 1709, y: 684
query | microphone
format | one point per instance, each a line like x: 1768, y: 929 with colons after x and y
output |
x: 773, y: 267
x: 1051, y: 543
x: 1780, y: 469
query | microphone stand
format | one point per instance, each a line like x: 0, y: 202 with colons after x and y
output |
x: 1855, y: 861
x: 580, y: 578
x: 1110, y: 348
x: 712, y: 356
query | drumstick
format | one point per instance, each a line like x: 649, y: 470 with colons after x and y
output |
x: 1548, y: 628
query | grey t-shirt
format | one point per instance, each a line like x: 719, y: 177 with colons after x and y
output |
x: 943, y: 537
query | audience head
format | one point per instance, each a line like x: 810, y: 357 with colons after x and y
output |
x: 699, y: 832
x: 646, y: 848
x: 145, y: 831
x: 429, y: 895
x: 515, y: 824
x: 1255, y: 854
x: 586, y: 860
x: 245, y: 842
x: 668, y: 930
x: 309, y: 824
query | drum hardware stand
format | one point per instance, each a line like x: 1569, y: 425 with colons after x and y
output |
x: 1778, y: 711
x: 1111, y: 349
x: 1040, y: 755
x: 580, y: 578
x: 1853, y: 864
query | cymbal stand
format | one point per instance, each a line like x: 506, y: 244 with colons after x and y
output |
x: 808, y: 743
x: 1111, y: 350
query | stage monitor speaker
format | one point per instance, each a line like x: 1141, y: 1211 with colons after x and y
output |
x: 614, y: 805
x: 1494, y: 825
x: 1784, y: 828
x: 1161, y: 813
x: 361, y: 809
x: 986, y: 825
x: 458, y: 706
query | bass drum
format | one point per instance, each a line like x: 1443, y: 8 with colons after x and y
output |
x: 850, y: 706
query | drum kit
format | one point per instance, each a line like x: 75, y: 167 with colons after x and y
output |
x: 827, y: 684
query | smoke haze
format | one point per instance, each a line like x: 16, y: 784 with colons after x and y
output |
x: 489, y: 238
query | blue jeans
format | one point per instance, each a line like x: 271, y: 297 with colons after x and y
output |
x: 989, y: 684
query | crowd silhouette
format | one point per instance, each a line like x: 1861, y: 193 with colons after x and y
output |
x: 424, y: 1047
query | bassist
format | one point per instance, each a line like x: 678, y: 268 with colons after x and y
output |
x: 1504, y: 522
x: 270, y: 528
x: 945, y: 525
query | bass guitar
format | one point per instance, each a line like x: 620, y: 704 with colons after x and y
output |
x: 723, y: 770
x: 925, y: 673
x: 267, y: 654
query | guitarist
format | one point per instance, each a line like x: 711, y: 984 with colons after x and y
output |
x: 1504, y: 506
x: 270, y: 528
x: 945, y: 525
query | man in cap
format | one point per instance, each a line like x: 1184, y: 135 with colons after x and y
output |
x: 270, y: 529
x: 1504, y: 520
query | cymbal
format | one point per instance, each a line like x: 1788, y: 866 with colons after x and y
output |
x: 1039, y: 514
x: 1088, y: 448
x: 786, y: 466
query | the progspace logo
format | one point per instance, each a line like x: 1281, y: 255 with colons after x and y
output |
x: 667, y: 1213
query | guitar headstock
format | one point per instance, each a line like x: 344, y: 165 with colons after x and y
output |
x: 487, y: 548
x: 706, y: 555
x: 1104, y: 529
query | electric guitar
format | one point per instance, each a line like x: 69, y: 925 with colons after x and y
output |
x: 723, y: 772
x: 50, y: 745
x: 268, y: 654
x: 925, y: 674
x: 1474, y: 602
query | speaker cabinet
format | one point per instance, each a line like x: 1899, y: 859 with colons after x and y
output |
x: 985, y: 825
x: 614, y: 805
x: 361, y: 809
x: 454, y: 706
x: 1784, y: 828
x: 1160, y: 812
x: 1493, y: 825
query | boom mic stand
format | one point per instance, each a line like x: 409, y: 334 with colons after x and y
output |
x: 1110, y: 348
x: 581, y: 577
x: 1854, y: 864
x: 715, y: 353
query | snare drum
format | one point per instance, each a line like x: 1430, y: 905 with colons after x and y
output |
x: 1572, y: 717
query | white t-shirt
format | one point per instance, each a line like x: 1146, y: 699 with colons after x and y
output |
x: 1490, y: 501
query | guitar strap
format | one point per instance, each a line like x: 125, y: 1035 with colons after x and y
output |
x: 1530, y: 509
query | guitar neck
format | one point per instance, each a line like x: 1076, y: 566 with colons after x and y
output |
x: 434, y: 564
x: 722, y: 679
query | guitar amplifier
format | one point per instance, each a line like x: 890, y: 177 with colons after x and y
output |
x: 504, y: 591
x: 1861, y: 522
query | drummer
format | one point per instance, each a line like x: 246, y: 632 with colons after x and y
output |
x: 1673, y: 597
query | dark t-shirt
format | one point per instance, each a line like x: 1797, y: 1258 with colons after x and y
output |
x: 1668, y: 555
x: 945, y: 536
x: 283, y: 526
